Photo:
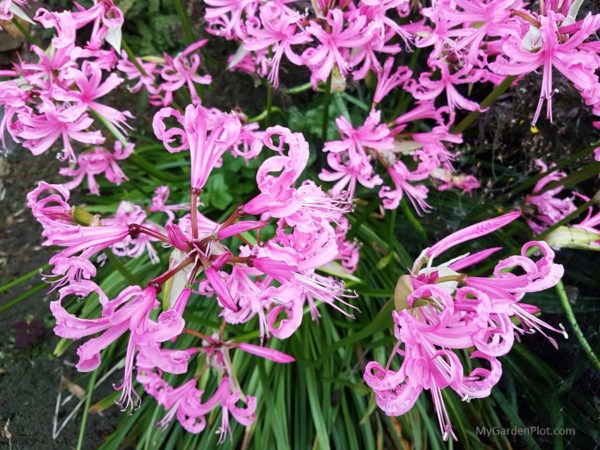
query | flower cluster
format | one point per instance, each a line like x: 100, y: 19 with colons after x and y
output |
x: 543, y: 207
x: 441, y: 310
x: 161, y: 77
x: 351, y: 159
x: 469, y: 42
x: 57, y: 97
x: 61, y: 97
x: 285, y: 235
x: 286, y: 250
x: 547, y: 206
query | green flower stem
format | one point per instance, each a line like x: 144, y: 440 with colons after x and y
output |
x: 23, y: 278
x: 133, y: 59
x: 486, y: 103
x: 263, y: 115
x: 110, y: 127
x: 188, y: 34
x: 23, y: 296
x: 564, y: 301
x: 299, y: 89
x: 86, y: 408
x: 412, y: 219
x: 25, y: 32
x: 326, y: 102
x: 269, y: 105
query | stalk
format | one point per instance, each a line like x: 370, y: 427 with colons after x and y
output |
x: 86, y: 408
x: 486, y: 103
x: 269, y: 105
x: 25, y: 32
x: 25, y: 295
x: 564, y: 301
x: 188, y: 34
x: 326, y: 103
x: 133, y: 59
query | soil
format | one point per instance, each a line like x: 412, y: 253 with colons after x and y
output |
x: 30, y: 376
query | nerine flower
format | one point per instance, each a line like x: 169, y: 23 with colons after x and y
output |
x: 351, y: 157
x: 128, y: 312
x: 90, y: 87
x: 552, y: 46
x: 271, y: 278
x: 441, y: 308
x: 341, y: 35
x: 206, y: 141
x: 543, y: 208
x: 95, y: 162
x: 276, y: 30
x: 40, y: 131
x: 183, y: 70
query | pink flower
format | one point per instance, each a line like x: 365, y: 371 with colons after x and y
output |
x: 43, y: 130
x: 478, y: 20
x: 428, y: 89
x: 206, y: 143
x: 224, y: 17
x: 276, y: 30
x: 129, y: 311
x: 146, y: 80
x: 277, y: 176
x: 95, y: 162
x: 355, y: 151
x: 549, y: 48
x: 439, y: 310
x: 365, y: 57
x: 386, y: 82
x: 545, y: 209
x: 85, y: 241
x: 183, y: 70
x: 52, y: 211
x: 401, y: 177
x: 159, y: 203
x: 347, y: 173
x: 91, y: 87
x: 335, y: 44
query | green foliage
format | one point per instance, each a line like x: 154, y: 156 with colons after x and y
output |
x: 154, y: 25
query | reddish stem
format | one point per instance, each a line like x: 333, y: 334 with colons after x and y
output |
x: 169, y: 273
x: 239, y: 260
x: 134, y: 228
x: 523, y: 15
x: 243, y: 239
x: 198, y: 335
x: 194, y: 210
x: 232, y: 218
